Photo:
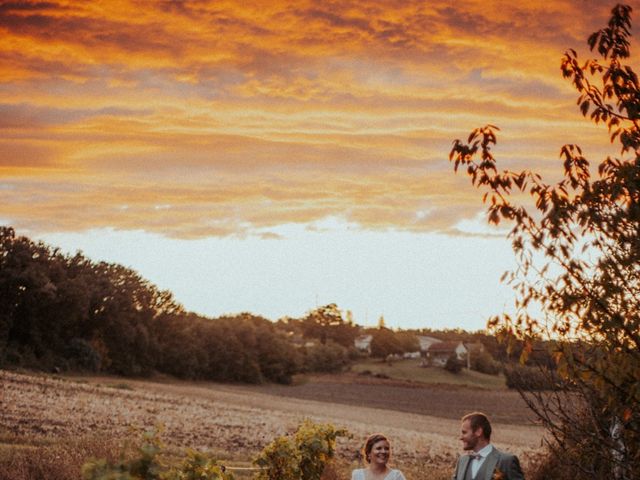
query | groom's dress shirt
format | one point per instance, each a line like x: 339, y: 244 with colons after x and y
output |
x: 479, y: 458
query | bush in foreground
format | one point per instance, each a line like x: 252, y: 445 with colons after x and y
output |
x: 305, y: 456
x: 149, y: 465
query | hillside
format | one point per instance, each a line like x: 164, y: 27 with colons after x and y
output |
x: 411, y: 370
x: 41, y: 413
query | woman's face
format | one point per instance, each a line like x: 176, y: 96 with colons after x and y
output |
x: 380, y: 452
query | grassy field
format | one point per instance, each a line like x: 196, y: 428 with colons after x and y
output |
x: 57, y: 423
x: 411, y: 370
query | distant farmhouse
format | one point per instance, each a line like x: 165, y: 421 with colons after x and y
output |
x: 438, y: 353
x: 425, y: 342
x: 474, y: 349
x: 433, y: 351
x: 411, y: 355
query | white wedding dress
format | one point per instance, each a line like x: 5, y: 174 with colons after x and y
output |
x: 358, y: 474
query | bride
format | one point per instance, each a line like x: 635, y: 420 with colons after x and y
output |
x: 376, y: 452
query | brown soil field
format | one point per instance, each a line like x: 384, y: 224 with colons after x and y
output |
x: 235, y: 422
x: 443, y: 401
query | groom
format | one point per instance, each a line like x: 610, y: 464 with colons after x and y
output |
x: 485, y: 462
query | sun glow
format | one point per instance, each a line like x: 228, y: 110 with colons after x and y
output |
x: 226, y: 122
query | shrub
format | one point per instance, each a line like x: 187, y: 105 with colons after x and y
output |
x: 483, y: 362
x: 305, y: 457
x: 317, y: 445
x: 562, y: 454
x: 454, y: 364
x: 148, y: 466
x: 279, y: 460
x: 326, y: 358
x: 531, y: 378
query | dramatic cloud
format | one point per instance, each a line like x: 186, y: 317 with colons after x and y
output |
x: 198, y: 118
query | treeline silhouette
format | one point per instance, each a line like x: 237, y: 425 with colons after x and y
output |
x: 61, y: 312
x: 65, y: 312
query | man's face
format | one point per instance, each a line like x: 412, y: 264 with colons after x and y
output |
x: 468, y: 437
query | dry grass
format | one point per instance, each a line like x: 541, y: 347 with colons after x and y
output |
x: 41, y: 458
x: 61, y: 418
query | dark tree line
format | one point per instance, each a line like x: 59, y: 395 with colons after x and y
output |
x: 63, y: 312
x: 242, y: 348
x: 68, y: 313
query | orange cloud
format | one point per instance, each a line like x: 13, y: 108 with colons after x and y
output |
x: 198, y: 118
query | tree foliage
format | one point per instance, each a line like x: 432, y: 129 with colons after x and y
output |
x: 384, y: 342
x: 578, y: 250
x: 241, y: 348
x: 483, y: 362
x: 66, y: 312
x: 326, y: 323
x: 56, y: 309
x: 326, y: 358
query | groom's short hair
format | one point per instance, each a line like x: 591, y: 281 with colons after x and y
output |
x: 479, y: 420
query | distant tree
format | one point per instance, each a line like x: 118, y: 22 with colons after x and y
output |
x: 290, y: 326
x: 408, y: 341
x: 483, y: 362
x: 578, y: 250
x: 349, y: 319
x: 326, y: 323
x: 318, y: 322
x: 277, y: 358
x: 384, y: 342
x: 326, y: 358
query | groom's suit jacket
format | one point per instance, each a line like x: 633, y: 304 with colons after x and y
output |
x: 497, y: 461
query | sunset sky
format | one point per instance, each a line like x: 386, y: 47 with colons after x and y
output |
x: 274, y: 156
